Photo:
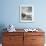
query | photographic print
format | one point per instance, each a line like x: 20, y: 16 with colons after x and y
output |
x: 26, y: 13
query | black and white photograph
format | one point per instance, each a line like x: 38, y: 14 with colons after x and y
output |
x: 26, y: 13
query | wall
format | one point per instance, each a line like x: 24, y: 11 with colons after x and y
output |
x: 10, y: 13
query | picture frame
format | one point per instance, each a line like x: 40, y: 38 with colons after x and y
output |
x: 26, y: 13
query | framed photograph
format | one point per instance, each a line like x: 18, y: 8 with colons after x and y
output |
x: 26, y: 13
